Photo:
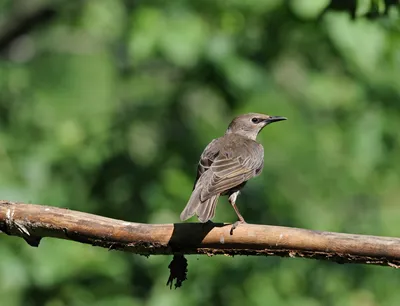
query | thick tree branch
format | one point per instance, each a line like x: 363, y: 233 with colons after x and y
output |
x: 33, y: 222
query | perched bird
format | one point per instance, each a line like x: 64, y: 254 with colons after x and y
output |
x: 226, y: 164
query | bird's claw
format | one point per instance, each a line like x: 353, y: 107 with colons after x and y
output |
x: 235, y: 225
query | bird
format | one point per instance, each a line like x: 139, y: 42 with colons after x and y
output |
x: 225, y: 166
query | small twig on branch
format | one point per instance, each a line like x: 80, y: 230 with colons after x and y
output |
x: 33, y: 222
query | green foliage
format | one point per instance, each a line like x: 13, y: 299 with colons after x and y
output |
x: 106, y: 108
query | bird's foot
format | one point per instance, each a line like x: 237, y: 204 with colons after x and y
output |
x: 235, y: 225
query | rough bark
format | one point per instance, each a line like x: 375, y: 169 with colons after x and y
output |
x: 33, y: 222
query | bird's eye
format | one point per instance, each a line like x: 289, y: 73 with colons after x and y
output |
x: 255, y: 120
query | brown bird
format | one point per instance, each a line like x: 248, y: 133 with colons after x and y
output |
x: 226, y: 164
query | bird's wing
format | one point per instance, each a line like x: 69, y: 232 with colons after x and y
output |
x: 207, y: 158
x: 228, y: 173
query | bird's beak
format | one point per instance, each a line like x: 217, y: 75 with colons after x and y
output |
x: 272, y: 119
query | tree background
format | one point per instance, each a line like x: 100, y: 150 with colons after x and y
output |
x: 105, y: 107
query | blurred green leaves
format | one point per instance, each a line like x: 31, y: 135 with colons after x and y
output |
x: 107, y: 107
x: 308, y: 9
x: 179, y: 35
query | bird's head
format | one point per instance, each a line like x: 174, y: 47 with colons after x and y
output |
x: 249, y: 125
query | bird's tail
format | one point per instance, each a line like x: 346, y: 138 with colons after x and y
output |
x: 204, y: 210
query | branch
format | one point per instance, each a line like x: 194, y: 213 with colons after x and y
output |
x: 19, y: 25
x: 33, y: 222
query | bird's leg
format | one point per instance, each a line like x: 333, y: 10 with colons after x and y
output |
x: 232, y: 200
